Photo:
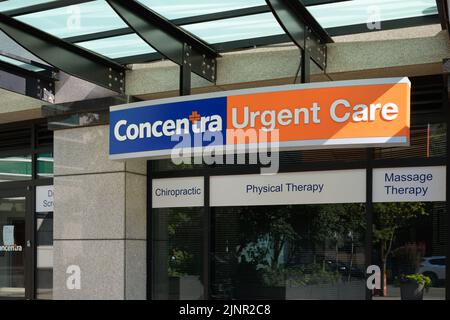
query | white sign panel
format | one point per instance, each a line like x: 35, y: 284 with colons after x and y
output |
x: 340, y: 186
x: 44, y: 198
x: 8, y: 235
x: 409, y: 184
x: 178, y: 192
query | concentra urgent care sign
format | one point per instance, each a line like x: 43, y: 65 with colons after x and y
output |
x: 374, y: 112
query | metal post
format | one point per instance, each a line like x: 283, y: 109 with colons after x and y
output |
x: 306, y: 66
x: 369, y: 214
x: 185, y: 72
x: 207, y: 238
x: 446, y: 70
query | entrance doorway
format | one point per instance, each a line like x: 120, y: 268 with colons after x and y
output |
x: 15, y: 246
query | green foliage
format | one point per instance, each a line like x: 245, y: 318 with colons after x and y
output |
x: 390, y: 217
x: 182, y: 259
x: 179, y: 263
x: 333, y: 222
x: 393, y: 216
x: 420, y: 279
x: 300, y: 276
x: 268, y: 229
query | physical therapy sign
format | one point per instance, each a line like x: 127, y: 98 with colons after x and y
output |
x: 356, y: 113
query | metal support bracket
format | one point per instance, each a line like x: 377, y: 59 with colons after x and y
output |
x: 65, y: 56
x: 302, y: 28
x: 185, y: 71
x: 171, y: 41
x: 38, y: 84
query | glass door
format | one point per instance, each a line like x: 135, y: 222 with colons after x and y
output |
x: 15, y: 246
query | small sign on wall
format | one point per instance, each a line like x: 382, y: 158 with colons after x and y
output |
x: 410, y: 184
x: 337, y: 186
x: 44, y: 198
x: 178, y: 192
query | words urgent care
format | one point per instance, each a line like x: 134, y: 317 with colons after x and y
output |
x: 340, y: 111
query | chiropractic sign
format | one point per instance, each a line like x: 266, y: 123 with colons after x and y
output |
x: 409, y: 184
x: 330, y: 114
x: 337, y: 186
x: 178, y: 192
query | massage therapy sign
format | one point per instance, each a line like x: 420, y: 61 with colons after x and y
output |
x: 355, y: 113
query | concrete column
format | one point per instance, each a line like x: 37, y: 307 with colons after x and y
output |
x: 99, y: 218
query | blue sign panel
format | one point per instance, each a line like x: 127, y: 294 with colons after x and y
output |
x: 157, y: 129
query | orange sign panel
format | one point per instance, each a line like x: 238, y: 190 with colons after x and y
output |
x: 343, y: 113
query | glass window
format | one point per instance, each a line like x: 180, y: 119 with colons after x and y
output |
x: 20, y: 64
x: 44, y: 255
x: 174, y: 9
x: 407, y: 237
x: 75, y: 20
x: 426, y: 141
x: 289, y: 252
x: 118, y: 47
x: 17, y: 4
x: 12, y: 247
x: 45, y: 165
x: 15, y: 168
x: 343, y: 13
x: 248, y: 27
x: 178, y: 245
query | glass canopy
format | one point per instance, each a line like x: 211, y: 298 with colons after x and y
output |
x: 94, y: 25
x: 20, y: 64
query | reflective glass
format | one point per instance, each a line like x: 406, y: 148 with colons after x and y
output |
x: 407, y: 236
x: 174, y: 9
x: 289, y: 252
x: 368, y: 11
x: 117, y: 47
x: 15, y: 168
x: 20, y: 64
x: 44, y: 255
x: 178, y: 250
x: 248, y: 27
x: 17, y: 4
x: 75, y: 20
x: 12, y: 247
x: 45, y: 165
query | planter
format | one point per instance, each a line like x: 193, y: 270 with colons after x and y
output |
x: 411, y: 290
x: 185, y: 288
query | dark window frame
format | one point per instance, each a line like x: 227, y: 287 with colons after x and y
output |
x: 33, y: 147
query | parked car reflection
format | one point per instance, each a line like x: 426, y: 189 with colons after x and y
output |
x: 433, y: 267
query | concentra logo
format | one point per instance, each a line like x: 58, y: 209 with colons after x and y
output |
x: 194, y: 123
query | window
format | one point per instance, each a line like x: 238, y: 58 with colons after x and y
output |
x: 178, y: 250
x: 406, y: 236
x: 289, y: 252
x: 17, y: 168
x: 44, y: 255
x: 45, y: 165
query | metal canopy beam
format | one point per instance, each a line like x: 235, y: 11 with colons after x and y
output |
x: 302, y: 28
x: 65, y: 56
x: 443, y: 12
x: 37, y: 85
x: 171, y: 41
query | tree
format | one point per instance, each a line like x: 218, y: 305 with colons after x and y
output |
x: 340, y: 222
x: 390, y: 218
x: 267, y: 231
